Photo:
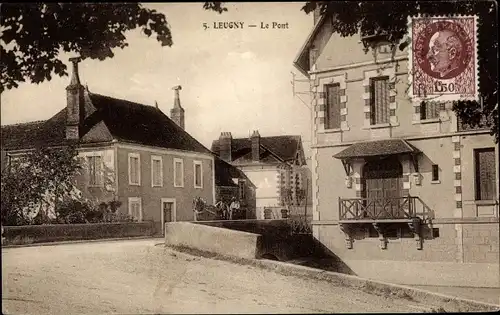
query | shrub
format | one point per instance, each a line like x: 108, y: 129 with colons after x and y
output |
x: 74, y: 211
x: 300, y: 226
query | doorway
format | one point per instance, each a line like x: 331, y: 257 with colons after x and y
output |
x: 168, y: 212
x: 383, y: 187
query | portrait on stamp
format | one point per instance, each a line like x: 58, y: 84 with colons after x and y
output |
x: 443, y: 58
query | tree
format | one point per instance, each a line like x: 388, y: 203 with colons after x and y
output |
x: 34, y: 34
x: 35, y: 180
x: 390, y: 17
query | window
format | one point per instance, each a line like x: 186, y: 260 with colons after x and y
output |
x: 178, y: 173
x: 156, y: 171
x: 241, y: 189
x: 332, y: 119
x: 485, y: 174
x: 134, y: 169
x: 435, y: 232
x: 435, y: 172
x: 95, y: 170
x: 429, y: 110
x: 379, y: 98
x: 135, y: 208
x: 198, y: 174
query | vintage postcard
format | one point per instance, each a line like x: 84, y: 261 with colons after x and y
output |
x: 250, y: 157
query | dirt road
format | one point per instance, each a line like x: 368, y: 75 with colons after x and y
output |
x: 139, y: 277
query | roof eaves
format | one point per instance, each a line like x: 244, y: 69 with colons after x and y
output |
x: 410, y: 146
x: 306, y: 45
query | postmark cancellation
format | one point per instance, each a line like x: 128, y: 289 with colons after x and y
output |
x: 443, y: 58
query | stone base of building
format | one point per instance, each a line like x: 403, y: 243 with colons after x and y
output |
x: 428, y: 273
x: 451, y: 254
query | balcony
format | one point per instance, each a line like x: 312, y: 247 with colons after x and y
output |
x: 381, y: 213
x: 391, y: 210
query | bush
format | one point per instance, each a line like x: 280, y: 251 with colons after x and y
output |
x: 28, y: 234
x: 300, y: 226
x: 74, y: 211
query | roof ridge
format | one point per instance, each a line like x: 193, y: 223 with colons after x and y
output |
x: 121, y: 99
x: 26, y: 123
x: 264, y: 137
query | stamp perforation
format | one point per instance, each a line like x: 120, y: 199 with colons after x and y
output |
x: 443, y: 58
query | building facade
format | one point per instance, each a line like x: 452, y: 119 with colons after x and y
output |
x: 273, y: 164
x: 130, y: 152
x: 402, y: 192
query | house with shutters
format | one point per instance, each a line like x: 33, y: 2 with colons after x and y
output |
x: 131, y: 152
x: 402, y: 192
x: 273, y: 164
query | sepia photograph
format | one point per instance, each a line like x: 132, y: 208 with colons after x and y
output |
x: 250, y: 157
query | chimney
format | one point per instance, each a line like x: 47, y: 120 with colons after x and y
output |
x: 255, y: 146
x: 74, y: 103
x: 177, y: 112
x: 225, y: 142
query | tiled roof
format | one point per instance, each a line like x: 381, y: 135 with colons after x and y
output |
x: 225, y: 172
x: 126, y: 121
x: 273, y: 149
x: 377, y: 148
x: 133, y: 122
x: 19, y: 134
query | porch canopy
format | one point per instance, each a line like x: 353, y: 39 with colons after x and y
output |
x: 377, y: 148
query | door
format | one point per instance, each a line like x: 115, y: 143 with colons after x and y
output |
x: 383, y: 185
x: 168, y: 211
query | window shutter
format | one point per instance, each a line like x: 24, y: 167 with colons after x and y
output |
x: 380, y: 100
x: 98, y: 170
x: 485, y: 174
x: 333, y: 106
x: 432, y: 110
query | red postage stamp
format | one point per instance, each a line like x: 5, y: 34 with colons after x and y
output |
x: 443, y: 58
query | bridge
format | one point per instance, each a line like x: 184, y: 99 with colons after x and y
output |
x: 269, y: 239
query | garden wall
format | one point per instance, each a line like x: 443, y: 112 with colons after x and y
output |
x: 29, y: 234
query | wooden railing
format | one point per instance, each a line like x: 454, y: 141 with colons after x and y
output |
x: 403, y: 208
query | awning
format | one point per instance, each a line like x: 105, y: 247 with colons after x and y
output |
x: 377, y: 148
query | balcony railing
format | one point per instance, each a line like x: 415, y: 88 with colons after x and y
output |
x: 383, y: 209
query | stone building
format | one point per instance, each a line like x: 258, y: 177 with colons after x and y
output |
x: 402, y: 191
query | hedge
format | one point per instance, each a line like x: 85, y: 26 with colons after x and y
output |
x: 29, y: 234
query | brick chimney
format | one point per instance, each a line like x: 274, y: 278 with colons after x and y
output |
x: 225, y: 142
x: 255, y: 138
x: 177, y: 112
x: 74, y: 103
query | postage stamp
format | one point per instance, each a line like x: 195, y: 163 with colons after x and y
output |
x: 443, y: 58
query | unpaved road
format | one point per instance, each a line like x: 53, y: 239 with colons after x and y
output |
x: 136, y: 277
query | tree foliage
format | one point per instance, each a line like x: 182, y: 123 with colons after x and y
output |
x: 34, y: 34
x: 36, y: 179
x: 390, y: 17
